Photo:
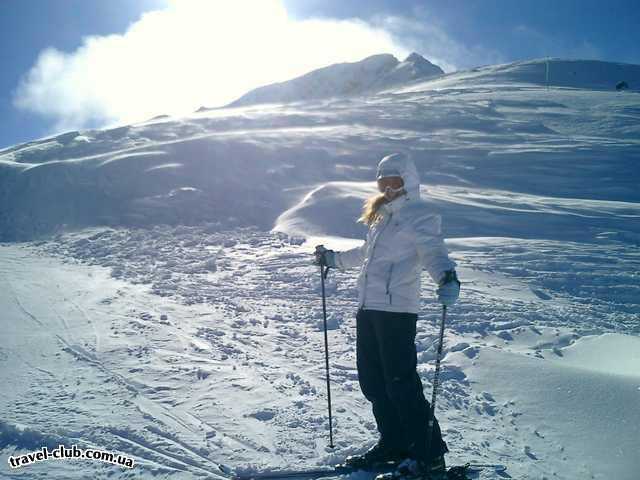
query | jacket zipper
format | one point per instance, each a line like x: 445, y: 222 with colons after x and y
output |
x: 389, y: 283
x: 373, y: 248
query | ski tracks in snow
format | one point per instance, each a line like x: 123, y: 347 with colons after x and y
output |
x: 217, y: 337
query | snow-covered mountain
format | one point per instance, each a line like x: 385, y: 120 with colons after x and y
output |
x: 367, y: 76
x: 496, y: 128
x: 162, y: 304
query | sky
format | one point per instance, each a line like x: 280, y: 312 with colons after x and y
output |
x: 78, y: 64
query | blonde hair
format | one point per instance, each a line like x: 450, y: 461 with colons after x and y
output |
x: 370, y: 209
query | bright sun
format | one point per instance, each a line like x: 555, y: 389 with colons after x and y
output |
x: 188, y: 54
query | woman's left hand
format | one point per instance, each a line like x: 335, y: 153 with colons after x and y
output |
x: 448, y: 288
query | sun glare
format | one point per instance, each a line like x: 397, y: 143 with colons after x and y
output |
x: 189, y: 54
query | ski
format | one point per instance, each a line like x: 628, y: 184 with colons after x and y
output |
x: 468, y: 471
x: 472, y: 470
x: 314, y: 473
x: 496, y: 467
x: 317, y: 473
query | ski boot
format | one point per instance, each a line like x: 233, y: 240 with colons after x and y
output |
x: 377, y: 456
x: 412, y: 469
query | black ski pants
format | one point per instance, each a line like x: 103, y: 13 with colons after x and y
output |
x: 386, y: 359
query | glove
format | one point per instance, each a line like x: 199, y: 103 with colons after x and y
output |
x: 448, y: 288
x: 325, y: 257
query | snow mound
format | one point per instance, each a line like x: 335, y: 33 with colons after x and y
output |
x: 539, y: 395
x: 332, y: 209
x: 329, y: 209
x: 611, y: 353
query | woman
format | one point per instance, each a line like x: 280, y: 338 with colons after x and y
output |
x: 404, y: 236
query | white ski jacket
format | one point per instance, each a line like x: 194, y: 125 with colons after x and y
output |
x: 407, y: 239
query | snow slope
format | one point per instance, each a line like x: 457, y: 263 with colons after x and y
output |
x: 158, y: 298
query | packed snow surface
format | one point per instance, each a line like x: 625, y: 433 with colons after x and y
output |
x: 158, y: 298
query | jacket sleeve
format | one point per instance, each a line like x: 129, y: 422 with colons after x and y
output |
x: 432, y: 251
x: 351, y: 258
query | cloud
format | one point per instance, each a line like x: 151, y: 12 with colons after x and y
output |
x: 191, y: 53
x: 421, y: 32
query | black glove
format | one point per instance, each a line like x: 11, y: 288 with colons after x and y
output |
x: 324, y: 256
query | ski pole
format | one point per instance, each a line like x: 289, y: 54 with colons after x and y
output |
x: 436, y: 377
x: 323, y: 274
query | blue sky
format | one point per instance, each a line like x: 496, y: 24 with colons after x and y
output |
x: 113, y: 80
x: 516, y: 29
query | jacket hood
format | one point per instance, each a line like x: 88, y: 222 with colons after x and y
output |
x: 404, y: 166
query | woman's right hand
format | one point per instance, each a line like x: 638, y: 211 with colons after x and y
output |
x: 324, y: 256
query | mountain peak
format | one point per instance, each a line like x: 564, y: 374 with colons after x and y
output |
x: 423, y: 65
x: 415, y: 58
x: 370, y: 75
